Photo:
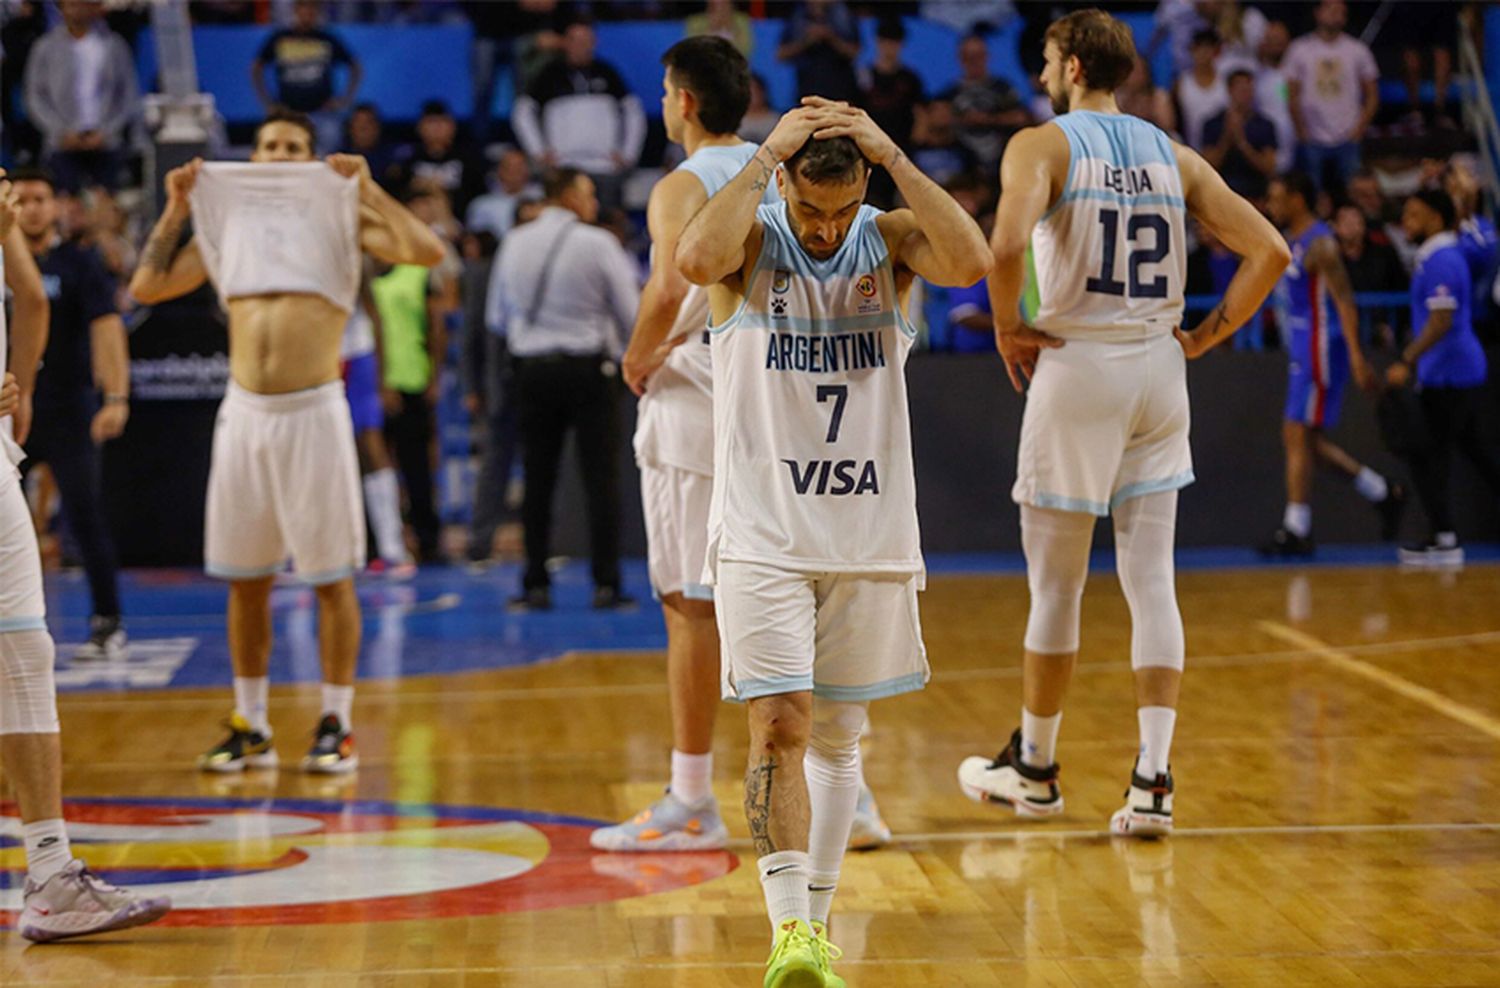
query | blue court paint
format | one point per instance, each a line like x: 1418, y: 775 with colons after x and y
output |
x: 448, y: 620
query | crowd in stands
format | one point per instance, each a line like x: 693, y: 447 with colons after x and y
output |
x: 1258, y: 89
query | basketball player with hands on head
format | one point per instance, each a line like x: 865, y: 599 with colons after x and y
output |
x: 61, y: 898
x: 1102, y: 198
x: 706, y: 87
x: 281, y: 239
x: 813, y: 544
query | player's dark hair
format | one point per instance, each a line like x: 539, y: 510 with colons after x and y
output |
x: 831, y: 160
x: 1300, y: 184
x: 1439, y: 202
x: 559, y: 180
x: 31, y: 173
x: 294, y: 118
x: 717, y: 75
x: 1103, y: 46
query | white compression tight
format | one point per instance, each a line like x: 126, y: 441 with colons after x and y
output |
x: 1057, y: 566
x: 28, y: 692
x: 833, y: 779
x: 1145, y: 530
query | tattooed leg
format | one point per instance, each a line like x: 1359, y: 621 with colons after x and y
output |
x: 776, y: 804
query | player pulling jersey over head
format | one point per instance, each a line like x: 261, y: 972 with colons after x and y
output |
x: 813, y: 545
x: 1102, y: 199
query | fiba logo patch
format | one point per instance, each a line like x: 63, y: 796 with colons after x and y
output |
x: 242, y: 862
x: 867, y: 287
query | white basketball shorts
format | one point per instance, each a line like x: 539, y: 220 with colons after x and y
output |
x: 284, y: 481
x: 23, y: 607
x: 1104, y: 422
x: 676, y: 503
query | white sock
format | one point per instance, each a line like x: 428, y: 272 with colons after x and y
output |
x: 47, y: 850
x: 1371, y: 485
x: 1298, y: 520
x: 1446, y: 540
x: 250, y: 698
x: 783, y: 878
x: 1039, y: 738
x: 339, y: 701
x: 692, y: 777
x: 1157, y: 724
x: 383, y: 504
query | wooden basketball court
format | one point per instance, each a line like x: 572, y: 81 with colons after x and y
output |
x: 1338, y: 777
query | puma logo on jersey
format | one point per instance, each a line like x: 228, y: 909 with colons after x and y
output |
x: 1127, y: 181
x: 813, y: 477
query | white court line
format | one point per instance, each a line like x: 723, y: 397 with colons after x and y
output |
x: 1342, y: 659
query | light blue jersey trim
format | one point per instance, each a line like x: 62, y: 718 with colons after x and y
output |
x: 1174, y: 483
x: 873, y: 691
x: 1104, y: 195
x: 1058, y: 502
x: 1124, y: 141
x: 221, y: 572
x: 698, y: 591
x: 832, y: 324
x: 23, y: 624
x: 752, y: 689
x: 326, y: 577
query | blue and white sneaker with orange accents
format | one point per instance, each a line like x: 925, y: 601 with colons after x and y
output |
x: 1006, y: 779
x: 332, y: 751
x: 1148, y: 807
x: 666, y: 825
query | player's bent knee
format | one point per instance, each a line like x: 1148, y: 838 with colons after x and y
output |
x: 780, y: 723
x: 28, y: 692
x: 1052, y: 625
x: 835, y: 733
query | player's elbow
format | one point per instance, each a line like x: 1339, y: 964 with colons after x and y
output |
x: 973, y: 266
x: 1276, y: 254
x: 695, y: 263
x: 142, y: 290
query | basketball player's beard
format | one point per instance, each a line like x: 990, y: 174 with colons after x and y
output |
x: 1060, y: 102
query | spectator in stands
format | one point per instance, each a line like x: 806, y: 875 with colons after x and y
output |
x: 890, y: 92
x: 495, y: 211
x: 821, y: 40
x: 1421, y: 29
x: 760, y: 119
x: 989, y: 109
x: 1240, y: 143
x: 304, y: 57
x: 1271, y: 90
x: 1364, y: 191
x: 1476, y: 235
x: 720, y: 19
x: 23, y: 25
x: 1333, y: 96
x: 1201, y: 93
x: 518, y: 38
x: 439, y: 157
x: 1448, y: 367
x: 1241, y: 30
x: 364, y: 135
x: 81, y: 93
x: 936, y: 148
x: 578, y: 113
x: 1174, y: 24
x: 1142, y: 97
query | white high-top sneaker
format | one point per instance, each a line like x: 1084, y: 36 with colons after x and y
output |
x: 1031, y: 792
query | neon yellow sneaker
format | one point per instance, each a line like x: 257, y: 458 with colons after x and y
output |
x: 796, y: 959
x: 827, y: 954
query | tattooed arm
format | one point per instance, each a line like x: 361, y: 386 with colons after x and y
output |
x: 718, y: 239
x: 1240, y: 226
x: 165, y: 272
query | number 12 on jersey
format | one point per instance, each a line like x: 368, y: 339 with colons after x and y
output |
x: 1140, y: 224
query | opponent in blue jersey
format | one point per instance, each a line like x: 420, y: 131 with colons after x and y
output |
x: 1450, y: 370
x: 1324, y: 343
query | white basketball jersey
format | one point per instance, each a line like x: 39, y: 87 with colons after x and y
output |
x: 812, y: 441
x: 278, y: 228
x: 675, y: 419
x: 1110, y: 256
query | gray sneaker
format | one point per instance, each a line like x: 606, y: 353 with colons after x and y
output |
x: 75, y: 902
x: 667, y: 825
x: 107, y: 642
x: 869, y: 830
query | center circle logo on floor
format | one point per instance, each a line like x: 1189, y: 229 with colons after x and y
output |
x: 238, y: 862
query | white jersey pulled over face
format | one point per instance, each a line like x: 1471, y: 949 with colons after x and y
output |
x: 277, y: 228
x: 1111, y: 255
x: 675, y: 419
x: 812, y: 439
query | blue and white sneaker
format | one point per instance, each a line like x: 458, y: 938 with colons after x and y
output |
x: 667, y: 825
x: 869, y: 831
